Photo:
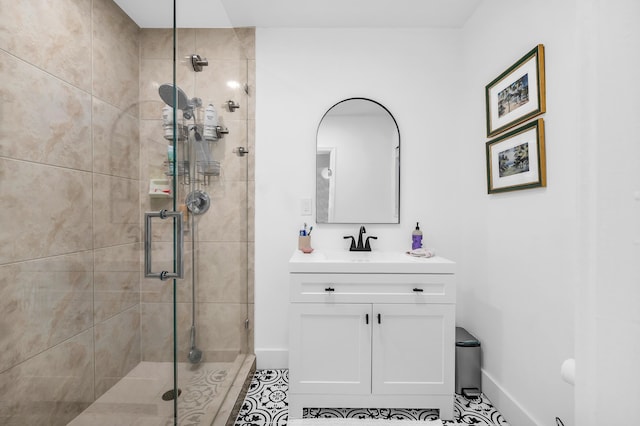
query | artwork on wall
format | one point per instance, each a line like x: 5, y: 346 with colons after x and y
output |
x: 517, y: 94
x: 516, y: 160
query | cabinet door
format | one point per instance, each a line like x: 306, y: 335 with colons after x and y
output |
x: 330, y: 348
x: 413, y: 349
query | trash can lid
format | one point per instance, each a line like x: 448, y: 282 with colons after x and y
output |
x: 464, y: 338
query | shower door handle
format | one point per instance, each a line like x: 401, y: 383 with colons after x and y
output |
x: 163, y: 275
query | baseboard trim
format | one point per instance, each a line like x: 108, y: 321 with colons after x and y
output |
x: 512, y: 411
x: 271, y: 359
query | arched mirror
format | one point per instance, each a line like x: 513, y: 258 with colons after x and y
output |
x: 358, y: 164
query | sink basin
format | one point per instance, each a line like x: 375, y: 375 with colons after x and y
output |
x: 352, y: 256
x: 343, y: 261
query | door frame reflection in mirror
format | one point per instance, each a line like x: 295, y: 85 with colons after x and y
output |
x: 357, y: 190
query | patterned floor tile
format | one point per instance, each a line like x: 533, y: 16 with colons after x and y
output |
x: 266, y: 405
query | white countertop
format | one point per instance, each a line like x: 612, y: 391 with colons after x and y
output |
x: 374, y: 262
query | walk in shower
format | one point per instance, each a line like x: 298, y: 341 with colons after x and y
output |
x: 89, y: 332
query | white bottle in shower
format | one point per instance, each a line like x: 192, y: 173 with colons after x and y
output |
x: 167, y: 123
x: 210, y: 123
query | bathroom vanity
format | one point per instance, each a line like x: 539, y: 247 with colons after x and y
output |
x: 371, y: 330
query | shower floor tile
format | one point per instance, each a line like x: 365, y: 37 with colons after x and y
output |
x: 266, y: 405
x: 137, y: 398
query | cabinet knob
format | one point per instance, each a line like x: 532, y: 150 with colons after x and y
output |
x: 329, y: 289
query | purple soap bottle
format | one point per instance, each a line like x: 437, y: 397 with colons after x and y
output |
x: 416, y: 237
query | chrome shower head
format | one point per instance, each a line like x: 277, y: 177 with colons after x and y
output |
x: 176, y: 98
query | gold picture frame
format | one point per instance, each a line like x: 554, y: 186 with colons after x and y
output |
x: 517, y: 94
x: 517, y: 160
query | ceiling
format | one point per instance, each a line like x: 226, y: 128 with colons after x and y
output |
x: 300, y: 13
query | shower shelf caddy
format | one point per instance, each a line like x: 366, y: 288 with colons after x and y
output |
x: 205, y: 166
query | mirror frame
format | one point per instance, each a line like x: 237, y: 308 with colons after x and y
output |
x: 398, y: 156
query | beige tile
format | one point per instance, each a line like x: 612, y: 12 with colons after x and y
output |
x: 157, y: 43
x: 43, y: 302
x: 207, y: 390
x: 48, y: 121
x: 116, y: 211
x: 220, y: 331
x: 251, y: 272
x: 222, y: 44
x: 251, y: 143
x: 115, y: 56
x: 251, y: 74
x: 222, y: 272
x: 155, y: 290
x: 116, y: 141
x: 157, y: 331
x: 50, y: 388
x: 155, y: 72
x: 51, y: 36
x: 251, y: 211
x: 153, y: 151
x: 30, y: 231
x: 162, y: 230
x: 117, y: 343
x: 251, y: 347
x: 247, y: 36
x: 134, y: 400
x: 236, y: 394
x: 123, y: 413
x: 234, y: 166
x: 153, y: 156
x: 116, y: 280
x: 215, y: 87
x: 222, y: 328
x: 227, y: 217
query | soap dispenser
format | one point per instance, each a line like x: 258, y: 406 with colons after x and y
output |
x: 416, y: 237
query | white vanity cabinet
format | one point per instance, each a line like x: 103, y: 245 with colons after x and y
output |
x: 361, y: 337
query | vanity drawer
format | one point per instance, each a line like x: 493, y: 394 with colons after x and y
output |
x: 373, y: 288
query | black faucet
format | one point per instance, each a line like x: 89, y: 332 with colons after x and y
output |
x: 360, y: 247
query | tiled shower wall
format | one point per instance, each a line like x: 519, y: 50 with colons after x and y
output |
x: 224, y: 234
x: 70, y: 228
x: 73, y: 193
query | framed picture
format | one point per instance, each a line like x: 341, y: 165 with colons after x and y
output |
x: 516, y: 160
x: 517, y: 94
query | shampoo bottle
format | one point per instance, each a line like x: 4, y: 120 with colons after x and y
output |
x: 210, y: 123
x: 416, y: 237
x: 171, y: 158
x: 167, y: 122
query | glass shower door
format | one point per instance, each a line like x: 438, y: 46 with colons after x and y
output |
x: 170, y: 268
x: 198, y: 326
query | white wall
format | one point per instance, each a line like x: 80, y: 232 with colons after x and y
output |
x: 518, y: 269
x: 544, y: 274
x: 433, y: 84
x: 608, y: 318
x: 300, y: 73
